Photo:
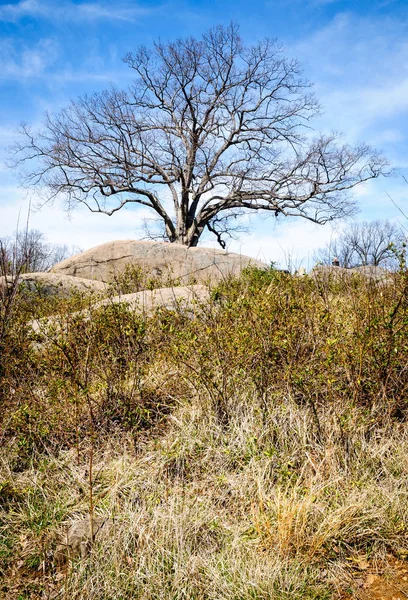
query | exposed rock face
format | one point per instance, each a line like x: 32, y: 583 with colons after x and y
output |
x: 370, y: 272
x: 55, y: 284
x: 173, y: 261
x: 187, y: 298
x: 171, y: 298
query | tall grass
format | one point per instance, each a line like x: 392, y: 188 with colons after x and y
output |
x: 256, y: 450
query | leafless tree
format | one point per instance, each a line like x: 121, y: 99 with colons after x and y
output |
x: 29, y: 252
x: 209, y: 127
x: 378, y: 243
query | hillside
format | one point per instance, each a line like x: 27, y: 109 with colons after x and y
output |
x: 250, y: 446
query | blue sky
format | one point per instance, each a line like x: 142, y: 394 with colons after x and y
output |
x: 355, y: 53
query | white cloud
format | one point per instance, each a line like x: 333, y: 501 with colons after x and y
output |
x: 286, y: 242
x: 360, y: 69
x: 388, y: 136
x: 360, y: 108
x: 7, y: 138
x: 82, y: 229
x: 44, y: 59
x: 289, y: 243
x: 70, y: 11
x: 19, y: 61
x: 23, y: 62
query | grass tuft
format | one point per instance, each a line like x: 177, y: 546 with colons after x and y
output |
x: 255, y: 450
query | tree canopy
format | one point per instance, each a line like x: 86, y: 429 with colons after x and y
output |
x: 209, y: 129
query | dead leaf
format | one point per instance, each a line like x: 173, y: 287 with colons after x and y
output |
x: 362, y: 564
x: 370, y: 580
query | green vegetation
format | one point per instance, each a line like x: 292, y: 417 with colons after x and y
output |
x: 253, y: 447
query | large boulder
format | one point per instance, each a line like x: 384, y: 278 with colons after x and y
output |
x: 170, y: 298
x: 169, y: 261
x: 188, y: 299
x: 54, y: 284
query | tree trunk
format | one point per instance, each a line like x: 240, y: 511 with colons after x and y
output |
x: 185, y: 234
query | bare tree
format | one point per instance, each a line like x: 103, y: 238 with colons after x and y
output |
x: 29, y: 252
x: 377, y: 243
x: 209, y: 127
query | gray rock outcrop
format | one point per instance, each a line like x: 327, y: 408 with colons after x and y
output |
x: 186, y: 298
x: 170, y: 261
x: 369, y: 272
x: 55, y: 284
x: 170, y: 298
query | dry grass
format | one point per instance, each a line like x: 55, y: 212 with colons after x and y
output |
x: 264, y: 453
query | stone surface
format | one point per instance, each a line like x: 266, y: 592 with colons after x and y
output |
x: 175, y: 261
x: 56, y: 284
x: 171, y: 298
x: 77, y: 540
x: 376, y: 274
x: 187, y: 298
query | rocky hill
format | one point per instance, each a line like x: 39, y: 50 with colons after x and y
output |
x: 171, y: 261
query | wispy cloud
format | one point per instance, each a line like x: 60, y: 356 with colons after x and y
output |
x: 18, y: 62
x: 290, y: 244
x: 360, y: 67
x: 82, y: 228
x: 45, y: 60
x: 70, y: 11
x: 375, y: 103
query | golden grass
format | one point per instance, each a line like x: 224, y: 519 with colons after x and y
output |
x: 242, y: 455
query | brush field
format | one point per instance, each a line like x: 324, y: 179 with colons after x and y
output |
x: 253, y: 447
